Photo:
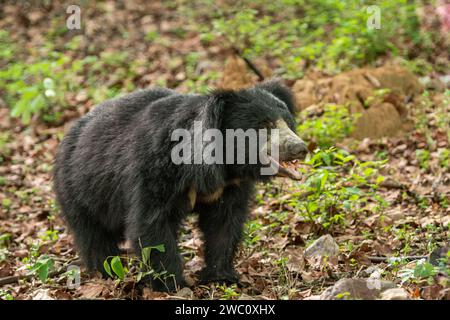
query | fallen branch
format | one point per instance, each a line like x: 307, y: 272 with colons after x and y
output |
x: 249, y: 64
x: 392, y: 184
x: 386, y: 259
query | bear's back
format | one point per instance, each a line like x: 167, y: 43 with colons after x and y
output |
x: 94, y: 152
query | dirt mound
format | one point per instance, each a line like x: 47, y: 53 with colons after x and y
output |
x: 380, y: 95
x: 237, y: 75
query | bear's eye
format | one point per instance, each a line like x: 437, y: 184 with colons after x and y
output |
x: 269, y: 124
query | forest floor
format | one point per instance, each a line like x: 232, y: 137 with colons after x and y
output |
x: 411, y: 222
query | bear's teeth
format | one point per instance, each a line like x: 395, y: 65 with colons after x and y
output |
x: 286, y: 171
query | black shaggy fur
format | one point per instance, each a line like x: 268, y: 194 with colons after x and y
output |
x: 115, y: 180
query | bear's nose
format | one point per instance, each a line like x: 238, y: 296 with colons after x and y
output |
x: 297, y: 149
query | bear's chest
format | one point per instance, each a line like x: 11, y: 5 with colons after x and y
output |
x: 195, y: 197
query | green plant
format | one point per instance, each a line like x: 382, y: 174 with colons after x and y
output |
x: 114, y: 267
x: 333, y: 125
x: 337, y: 184
x: 251, y: 235
x: 423, y: 157
x: 6, y: 203
x: 229, y: 293
x: 7, y: 47
x: 5, y: 239
x: 444, y: 158
x: 38, y: 88
x: 50, y: 236
x: 431, y: 115
x: 41, y: 267
x: 6, y: 295
x: 423, y: 270
x: 333, y: 35
x: 343, y: 296
x: 114, y: 264
x: 5, y: 150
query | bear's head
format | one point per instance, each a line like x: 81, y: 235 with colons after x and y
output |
x: 258, y: 126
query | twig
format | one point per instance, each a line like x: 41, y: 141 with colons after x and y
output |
x: 249, y: 64
x: 385, y: 259
x: 392, y: 184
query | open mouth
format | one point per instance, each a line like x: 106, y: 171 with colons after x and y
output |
x: 285, y: 169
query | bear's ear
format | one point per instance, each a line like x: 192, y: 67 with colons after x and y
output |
x: 279, y: 90
x: 215, y: 106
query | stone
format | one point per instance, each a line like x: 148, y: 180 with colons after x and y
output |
x: 359, y: 289
x: 325, y: 246
x: 394, y: 294
x: 185, y: 293
x: 42, y: 294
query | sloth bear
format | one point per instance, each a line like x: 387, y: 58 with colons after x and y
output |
x: 115, y: 178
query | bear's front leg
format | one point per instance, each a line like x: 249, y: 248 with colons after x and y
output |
x: 222, y: 224
x: 160, y: 229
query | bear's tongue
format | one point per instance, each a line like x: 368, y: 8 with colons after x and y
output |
x: 284, y: 171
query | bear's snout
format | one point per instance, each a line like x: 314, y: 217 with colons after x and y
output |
x: 296, y: 149
x: 291, y: 147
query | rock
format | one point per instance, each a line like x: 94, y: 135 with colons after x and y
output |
x: 317, y: 297
x: 371, y: 271
x: 185, y: 293
x: 445, y: 80
x: 396, y: 216
x: 42, y: 294
x: 432, y: 83
x: 394, y: 294
x: 246, y: 297
x: 324, y: 246
x: 365, y: 289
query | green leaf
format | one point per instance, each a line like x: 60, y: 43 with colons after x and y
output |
x: 42, y: 268
x: 323, y: 179
x: 347, y: 205
x: 379, y: 179
x: 326, y: 158
x: 312, y: 206
x: 43, y: 272
x: 146, y: 255
x: 147, y: 251
x: 37, y: 103
x: 353, y: 190
x: 424, y: 270
x: 117, y: 267
x: 160, y: 248
x: 107, y: 267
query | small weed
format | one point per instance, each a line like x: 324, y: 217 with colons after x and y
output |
x: 229, y: 293
x: 333, y: 125
x: 423, y: 157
